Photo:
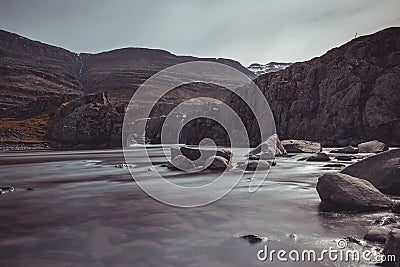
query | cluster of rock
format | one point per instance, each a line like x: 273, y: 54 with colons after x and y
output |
x: 191, y: 159
x: 368, y: 185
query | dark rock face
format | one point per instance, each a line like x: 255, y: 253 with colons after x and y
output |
x: 343, y: 192
x: 347, y: 96
x: 89, y: 121
x: 382, y: 170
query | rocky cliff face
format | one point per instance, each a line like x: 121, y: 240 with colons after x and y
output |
x: 349, y: 95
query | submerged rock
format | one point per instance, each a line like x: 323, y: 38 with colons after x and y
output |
x: 343, y: 192
x: 6, y: 189
x: 392, y: 247
x: 319, y: 157
x: 382, y: 170
x: 346, y: 150
x: 334, y: 165
x: 374, y: 146
x: 377, y: 234
x: 252, y: 239
x: 344, y: 158
x: 301, y: 146
x: 252, y: 165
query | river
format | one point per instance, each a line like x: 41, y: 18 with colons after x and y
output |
x: 83, y: 211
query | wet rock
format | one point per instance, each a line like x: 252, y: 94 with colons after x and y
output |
x: 392, y: 247
x: 386, y: 221
x: 343, y: 192
x: 319, y: 157
x: 301, y: 146
x: 252, y: 165
x: 344, y: 158
x: 382, y: 170
x: 377, y: 234
x: 182, y: 163
x: 252, y: 239
x: 346, y: 150
x: 334, y: 165
x: 374, y: 146
x: 6, y: 189
x: 268, y: 149
x: 29, y: 189
x: 217, y: 163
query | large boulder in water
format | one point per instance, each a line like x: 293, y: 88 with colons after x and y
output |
x: 217, y: 163
x: 382, y: 170
x: 343, y: 192
x: 301, y: 146
x: 182, y: 163
x: 392, y: 247
x: 374, y: 146
x: 269, y: 149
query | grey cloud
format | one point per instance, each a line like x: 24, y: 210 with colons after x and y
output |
x: 248, y: 31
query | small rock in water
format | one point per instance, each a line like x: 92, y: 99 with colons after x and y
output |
x: 346, y: 150
x: 319, y: 157
x: 334, y: 165
x: 124, y: 166
x: 301, y: 146
x: 344, y: 158
x: 374, y: 146
x: 252, y: 165
x: 385, y: 221
x: 252, y: 239
x: 217, y: 163
x: 6, y: 189
x: 29, y: 189
x: 293, y: 236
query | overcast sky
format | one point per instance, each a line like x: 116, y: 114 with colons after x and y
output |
x: 248, y: 31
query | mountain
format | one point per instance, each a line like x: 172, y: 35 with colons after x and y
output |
x: 259, y: 69
x: 348, y: 95
x: 36, y: 78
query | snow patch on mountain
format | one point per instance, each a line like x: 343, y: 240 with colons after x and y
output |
x: 259, y: 69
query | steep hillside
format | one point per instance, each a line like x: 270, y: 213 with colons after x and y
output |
x: 349, y: 95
